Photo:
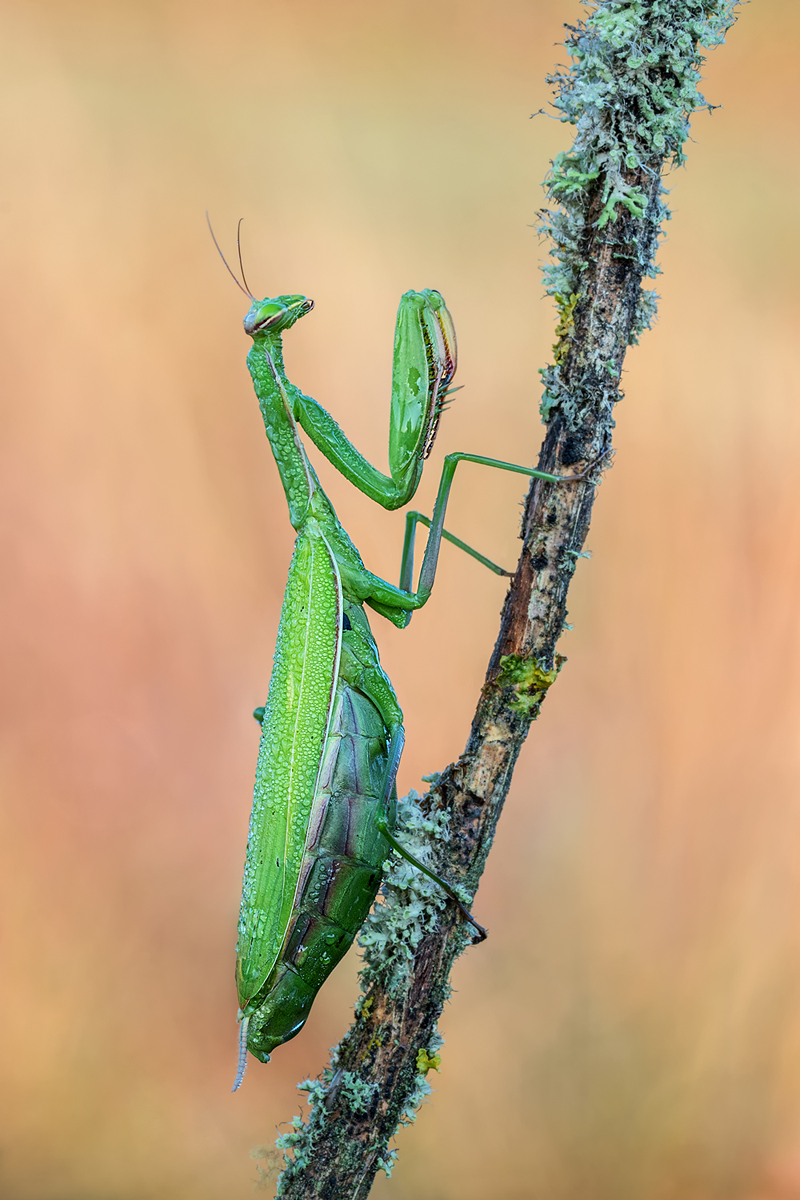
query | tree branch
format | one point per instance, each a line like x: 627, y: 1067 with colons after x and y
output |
x: 629, y: 92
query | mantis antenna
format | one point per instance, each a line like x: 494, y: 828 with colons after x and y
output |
x: 241, y: 264
x: 246, y: 290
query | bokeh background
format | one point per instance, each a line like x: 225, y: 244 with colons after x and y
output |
x: 632, y: 1027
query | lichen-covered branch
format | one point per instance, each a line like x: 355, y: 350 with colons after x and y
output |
x: 630, y: 91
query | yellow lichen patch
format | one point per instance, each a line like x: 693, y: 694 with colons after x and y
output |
x: 529, y: 680
x: 566, y: 311
x: 428, y: 1062
x: 366, y: 1007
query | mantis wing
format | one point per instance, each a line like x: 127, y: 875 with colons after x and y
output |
x: 294, y: 730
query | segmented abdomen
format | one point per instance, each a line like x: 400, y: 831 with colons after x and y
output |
x: 340, y: 873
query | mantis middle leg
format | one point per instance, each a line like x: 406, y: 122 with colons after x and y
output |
x: 398, y: 603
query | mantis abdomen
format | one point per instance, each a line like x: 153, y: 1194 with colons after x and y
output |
x: 342, y: 872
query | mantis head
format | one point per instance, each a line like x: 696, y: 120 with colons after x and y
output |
x: 274, y: 316
x: 265, y: 316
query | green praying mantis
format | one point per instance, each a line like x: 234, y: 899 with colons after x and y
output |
x: 324, y: 804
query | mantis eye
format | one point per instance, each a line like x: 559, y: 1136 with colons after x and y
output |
x: 264, y: 316
x: 278, y: 314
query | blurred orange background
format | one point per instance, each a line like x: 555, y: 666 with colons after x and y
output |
x: 632, y: 1027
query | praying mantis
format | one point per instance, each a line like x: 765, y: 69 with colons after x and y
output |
x: 324, y: 803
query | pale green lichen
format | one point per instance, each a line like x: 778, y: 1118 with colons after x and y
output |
x: 630, y: 92
x: 297, y: 1146
x: 386, y: 1161
x: 356, y: 1093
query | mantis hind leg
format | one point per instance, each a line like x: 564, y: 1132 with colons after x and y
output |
x: 382, y: 821
x: 417, y: 518
x: 375, y: 685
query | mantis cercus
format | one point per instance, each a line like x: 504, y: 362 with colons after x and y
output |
x: 323, y: 815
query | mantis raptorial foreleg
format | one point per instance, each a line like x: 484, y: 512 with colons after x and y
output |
x: 423, y: 367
